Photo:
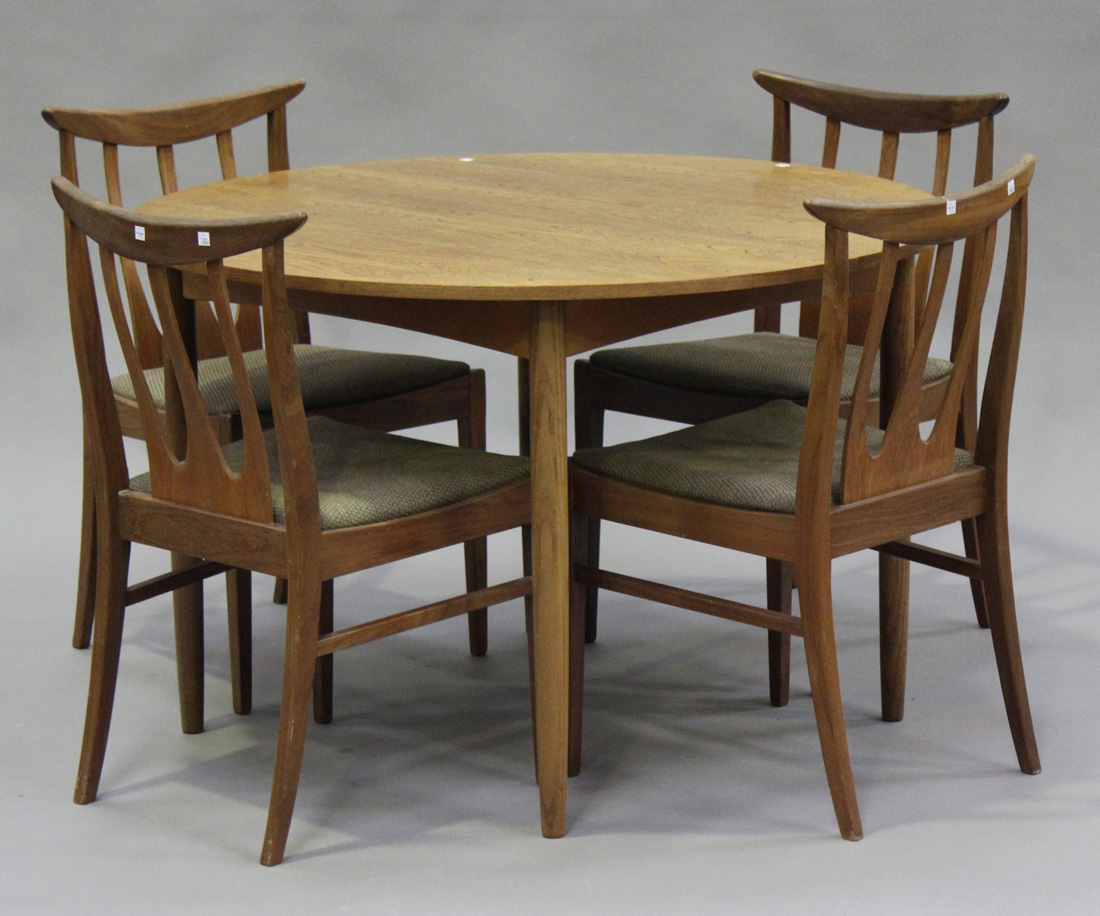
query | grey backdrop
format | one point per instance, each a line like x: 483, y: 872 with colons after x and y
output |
x: 696, y: 796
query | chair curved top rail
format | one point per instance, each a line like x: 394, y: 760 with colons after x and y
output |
x: 168, y: 125
x: 165, y: 127
x: 930, y: 222
x: 175, y: 241
x: 895, y: 112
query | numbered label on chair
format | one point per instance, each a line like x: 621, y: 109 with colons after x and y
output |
x: 204, y: 239
x: 139, y: 233
x: 951, y: 208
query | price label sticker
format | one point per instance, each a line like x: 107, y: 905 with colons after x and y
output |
x: 951, y: 208
x: 204, y: 239
x: 139, y: 233
x: 1011, y: 186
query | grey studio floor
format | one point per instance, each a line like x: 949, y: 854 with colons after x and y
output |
x: 696, y: 796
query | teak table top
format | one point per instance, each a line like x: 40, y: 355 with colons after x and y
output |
x: 525, y: 227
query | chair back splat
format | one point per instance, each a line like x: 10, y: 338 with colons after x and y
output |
x: 901, y: 455
x: 192, y: 472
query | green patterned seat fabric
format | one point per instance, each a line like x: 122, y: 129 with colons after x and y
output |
x: 329, y: 377
x: 745, y: 461
x: 749, y: 365
x: 365, y: 476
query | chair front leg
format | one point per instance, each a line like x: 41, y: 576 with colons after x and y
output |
x: 816, y: 606
x: 303, y: 614
x: 992, y: 528
x: 113, y: 563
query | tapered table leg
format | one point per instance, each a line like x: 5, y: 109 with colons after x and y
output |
x: 550, y: 557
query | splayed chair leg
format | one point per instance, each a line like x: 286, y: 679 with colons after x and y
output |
x: 303, y: 612
x: 815, y: 602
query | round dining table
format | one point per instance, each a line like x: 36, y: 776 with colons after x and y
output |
x: 542, y: 256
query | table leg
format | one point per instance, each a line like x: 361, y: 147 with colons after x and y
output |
x: 550, y: 557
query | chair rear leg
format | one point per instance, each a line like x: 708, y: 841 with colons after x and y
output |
x: 477, y: 576
x: 577, y: 626
x: 893, y: 596
x: 591, y: 592
x: 323, y: 668
x: 780, y: 587
x: 187, y: 603
x: 85, y: 582
x: 977, y: 589
x: 523, y: 413
x: 303, y: 612
x: 471, y: 434
x: 529, y: 627
x: 992, y: 529
x: 113, y: 563
x: 589, y: 417
x: 238, y: 592
x: 967, y: 437
x: 815, y: 604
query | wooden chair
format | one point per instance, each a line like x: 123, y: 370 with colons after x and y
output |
x: 695, y: 381
x: 388, y: 391
x: 311, y: 500
x: 799, y: 484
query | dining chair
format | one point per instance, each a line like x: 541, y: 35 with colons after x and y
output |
x: 695, y: 381
x: 388, y: 391
x: 801, y: 484
x: 308, y: 501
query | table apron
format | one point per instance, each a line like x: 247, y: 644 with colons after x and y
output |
x: 505, y: 326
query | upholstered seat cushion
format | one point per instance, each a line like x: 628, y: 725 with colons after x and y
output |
x: 365, y: 476
x: 745, y: 461
x: 763, y: 365
x: 329, y: 377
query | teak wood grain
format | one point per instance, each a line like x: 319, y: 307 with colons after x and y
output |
x: 163, y: 128
x: 905, y: 485
x: 890, y: 115
x: 210, y: 123
x: 542, y: 256
x: 197, y: 506
x: 573, y: 228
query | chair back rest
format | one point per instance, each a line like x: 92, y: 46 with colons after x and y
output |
x: 891, y: 114
x: 164, y: 128
x: 186, y: 467
x: 903, y: 333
